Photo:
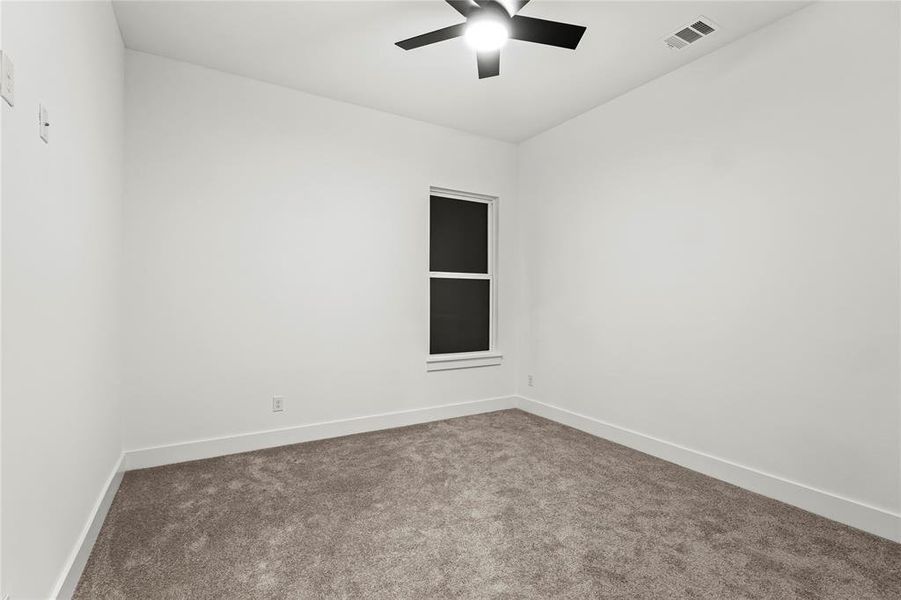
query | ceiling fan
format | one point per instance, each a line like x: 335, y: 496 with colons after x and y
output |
x: 490, y: 23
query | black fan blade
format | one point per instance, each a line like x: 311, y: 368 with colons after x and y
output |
x: 489, y: 64
x: 515, y: 5
x: 552, y: 33
x: 464, y: 7
x: 510, y: 6
x: 439, y: 35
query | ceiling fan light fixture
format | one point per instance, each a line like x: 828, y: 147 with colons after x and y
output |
x: 488, y: 26
x: 487, y: 33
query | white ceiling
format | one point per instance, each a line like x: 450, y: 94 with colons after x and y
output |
x: 345, y: 50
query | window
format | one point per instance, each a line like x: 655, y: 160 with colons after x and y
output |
x: 462, y: 291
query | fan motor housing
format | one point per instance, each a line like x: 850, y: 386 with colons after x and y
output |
x: 489, y: 10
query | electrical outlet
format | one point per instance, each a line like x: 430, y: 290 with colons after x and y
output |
x: 531, y: 381
x: 278, y: 403
x: 44, y: 123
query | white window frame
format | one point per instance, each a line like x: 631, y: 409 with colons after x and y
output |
x: 485, y: 358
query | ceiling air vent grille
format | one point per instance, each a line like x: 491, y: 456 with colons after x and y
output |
x: 701, y: 28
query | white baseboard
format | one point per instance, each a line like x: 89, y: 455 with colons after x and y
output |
x: 844, y: 510
x: 245, y: 442
x: 78, y: 558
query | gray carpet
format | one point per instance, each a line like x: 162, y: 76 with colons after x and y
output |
x: 501, y: 505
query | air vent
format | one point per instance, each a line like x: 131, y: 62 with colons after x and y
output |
x: 689, y: 35
x: 675, y: 43
x: 702, y: 27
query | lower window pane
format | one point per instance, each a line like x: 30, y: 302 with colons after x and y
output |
x: 460, y: 315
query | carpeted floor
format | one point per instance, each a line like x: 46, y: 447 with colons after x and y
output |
x: 500, y: 505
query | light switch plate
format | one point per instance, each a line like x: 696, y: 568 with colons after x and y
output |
x: 7, y: 79
x: 44, y: 123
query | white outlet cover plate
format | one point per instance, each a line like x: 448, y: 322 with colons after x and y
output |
x: 7, y: 79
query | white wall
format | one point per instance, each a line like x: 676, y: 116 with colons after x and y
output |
x: 61, y: 429
x: 714, y: 257
x: 276, y: 243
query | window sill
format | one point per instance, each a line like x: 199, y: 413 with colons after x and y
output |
x: 463, y: 360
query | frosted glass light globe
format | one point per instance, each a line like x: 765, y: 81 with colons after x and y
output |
x: 486, y: 34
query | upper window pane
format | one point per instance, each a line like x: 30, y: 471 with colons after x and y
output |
x: 459, y: 236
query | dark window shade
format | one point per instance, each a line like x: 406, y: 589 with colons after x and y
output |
x: 460, y: 315
x: 459, y: 236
